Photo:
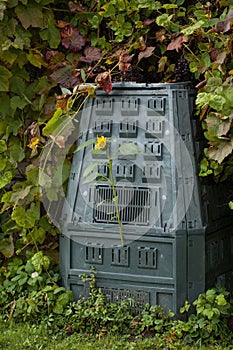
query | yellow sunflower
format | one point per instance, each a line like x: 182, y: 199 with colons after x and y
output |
x: 101, y: 142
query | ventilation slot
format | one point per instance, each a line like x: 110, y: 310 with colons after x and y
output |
x: 156, y: 106
x: 120, y: 256
x: 130, y: 106
x: 151, y: 173
x: 94, y: 253
x: 128, y: 129
x: 147, y: 257
x: 154, y: 128
x: 152, y: 149
x: 133, y: 204
x: 102, y: 127
x: 125, y: 171
x: 104, y: 107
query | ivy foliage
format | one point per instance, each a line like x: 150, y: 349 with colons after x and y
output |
x: 49, y: 49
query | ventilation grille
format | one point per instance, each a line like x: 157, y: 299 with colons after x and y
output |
x: 133, y: 203
x: 138, y: 298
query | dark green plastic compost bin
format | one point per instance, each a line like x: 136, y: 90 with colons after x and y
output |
x: 177, y: 229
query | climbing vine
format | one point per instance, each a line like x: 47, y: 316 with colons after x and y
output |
x: 50, y: 49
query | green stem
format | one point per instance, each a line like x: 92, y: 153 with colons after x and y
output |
x: 115, y: 197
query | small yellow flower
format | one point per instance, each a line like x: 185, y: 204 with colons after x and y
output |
x: 101, y: 143
x: 34, y: 143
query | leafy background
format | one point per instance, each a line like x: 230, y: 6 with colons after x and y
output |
x: 49, y: 49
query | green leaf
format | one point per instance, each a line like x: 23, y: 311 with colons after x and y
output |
x: 36, y: 59
x: 18, y: 102
x: 91, y: 177
x: 4, y: 110
x: 5, y: 178
x: 22, y: 38
x: 40, y: 261
x: 3, y: 146
x: 129, y: 148
x: 38, y: 235
x: 17, y: 152
x: 85, y: 144
x: 30, y: 15
x: 5, y: 75
x: 53, y: 123
x: 220, y: 299
x: 169, y: 6
x: 230, y: 205
x: 51, y: 34
x: 25, y: 219
x: 90, y: 168
x: 191, y: 29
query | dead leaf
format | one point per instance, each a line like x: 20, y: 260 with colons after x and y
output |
x: 162, y: 63
x: 142, y: 43
x: 91, y: 54
x: 33, y: 130
x: 177, y: 43
x: 203, y: 112
x: 75, y: 6
x: 160, y: 35
x: 219, y: 151
x: 148, y: 21
x: 225, y: 26
x: 62, y: 101
x: 104, y: 81
x: 146, y: 53
x: 124, y: 62
x: 61, y: 24
x: 72, y: 39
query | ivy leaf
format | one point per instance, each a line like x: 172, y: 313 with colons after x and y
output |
x: 36, y: 59
x: 91, y: 54
x: 38, y: 234
x: 5, y: 75
x: 18, y: 102
x: 72, y: 39
x: 22, y: 38
x: 40, y: 261
x: 217, y: 126
x: 146, y: 53
x: 64, y: 77
x: 3, y: 146
x: 104, y: 81
x: 26, y: 219
x: 30, y: 15
x: 219, y: 151
x: 5, y: 178
x: 4, y: 109
x: 51, y: 34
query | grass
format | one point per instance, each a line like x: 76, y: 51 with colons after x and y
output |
x: 26, y: 336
